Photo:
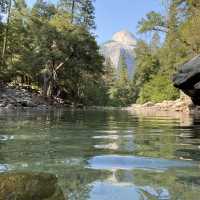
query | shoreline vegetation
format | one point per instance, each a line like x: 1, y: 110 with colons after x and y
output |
x: 49, y: 59
x: 52, y: 48
x: 22, y: 97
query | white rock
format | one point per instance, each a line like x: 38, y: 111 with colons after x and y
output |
x: 123, y: 43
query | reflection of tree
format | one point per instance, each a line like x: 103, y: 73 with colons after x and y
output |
x: 77, y: 182
x: 180, y: 183
x: 2, y: 160
x: 61, y: 142
x: 55, y: 142
x: 189, y: 137
x: 155, y: 137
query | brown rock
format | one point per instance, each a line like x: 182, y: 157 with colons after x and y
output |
x: 148, y: 104
x: 29, y: 186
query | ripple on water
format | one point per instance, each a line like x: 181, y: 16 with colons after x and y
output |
x: 107, y: 191
x: 112, y: 137
x: 6, y: 137
x: 111, y: 162
x: 4, y: 167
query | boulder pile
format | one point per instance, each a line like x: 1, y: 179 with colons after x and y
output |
x: 180, y: 105
x: 10, y: 98
x: 18, y: 97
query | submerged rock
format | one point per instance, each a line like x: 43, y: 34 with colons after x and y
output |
x: 29, y: 186
x: 188, y: 79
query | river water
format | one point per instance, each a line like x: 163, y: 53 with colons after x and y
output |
x: 106, y: 155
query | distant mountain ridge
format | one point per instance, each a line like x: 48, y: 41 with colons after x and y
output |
x: 123, y: 43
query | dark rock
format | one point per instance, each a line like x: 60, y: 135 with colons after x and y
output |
x: 22, y: 98
x: 188, y: 79
x: 28, y: 104
x: 29, y: 186
x: 10, y: 107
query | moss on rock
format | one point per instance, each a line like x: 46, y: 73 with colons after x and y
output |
x: 29, y: 186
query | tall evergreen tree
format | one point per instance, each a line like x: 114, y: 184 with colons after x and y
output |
x: 8, y: 5
x: 72, y: 7
x: 121, y: 93
x: 87, y: 11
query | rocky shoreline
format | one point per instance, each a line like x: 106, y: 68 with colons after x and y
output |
x: 183, y: 105
x: 12, y: 98
x: 20, y: 98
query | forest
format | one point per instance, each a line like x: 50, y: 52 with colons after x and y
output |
x: 52, y: 48
x: 158, y: 60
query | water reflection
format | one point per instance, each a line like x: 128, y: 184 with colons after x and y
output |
x: 106, y: 155
x: 111, y: 162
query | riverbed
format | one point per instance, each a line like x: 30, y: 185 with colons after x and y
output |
x: 106, y: 155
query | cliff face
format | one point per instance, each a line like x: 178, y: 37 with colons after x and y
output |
x: 122, y: 44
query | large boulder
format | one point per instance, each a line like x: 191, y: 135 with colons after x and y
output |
x: 29, y: 186
x: 188, y: 79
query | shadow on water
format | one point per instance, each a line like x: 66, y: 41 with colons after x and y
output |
x: 106, y: 155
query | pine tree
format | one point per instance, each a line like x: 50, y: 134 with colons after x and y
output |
x: 123, y: 71
x: 72, y: 7
x: 43, y: 10
x: 87, y: 12
x: 82, y: 12
x: 121, y: 93
x: 155, y: 42
x: 3, y: 6
x: 8, y: 5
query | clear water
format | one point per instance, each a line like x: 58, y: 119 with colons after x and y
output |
x: 106, y: 155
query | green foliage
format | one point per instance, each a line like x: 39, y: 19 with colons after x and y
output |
x: 121, y: 93
x: 51, y: 46
x: 158, y: 89
x: 3, y: 6
x: 81, y: 12
x: 153, y: 22
x: 147, y: 64
x: 87, y: 12
x: 157, y: 63
x: 46, y: 49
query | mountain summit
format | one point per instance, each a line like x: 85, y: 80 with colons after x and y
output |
x: 121, y: 45
x: 124, y: 37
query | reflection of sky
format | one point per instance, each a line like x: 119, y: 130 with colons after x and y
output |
x: 114, y: 141
x: 4, y: 167
x: 116, y: 157
x: 110, y: 162
x: 108, y: 191
x: 124, y: 187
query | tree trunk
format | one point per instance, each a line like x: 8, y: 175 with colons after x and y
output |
x: 72, y: 11
x: 6, y: 32
x: 45, y: 85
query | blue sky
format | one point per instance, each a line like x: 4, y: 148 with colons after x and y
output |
x: 115, y: 15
